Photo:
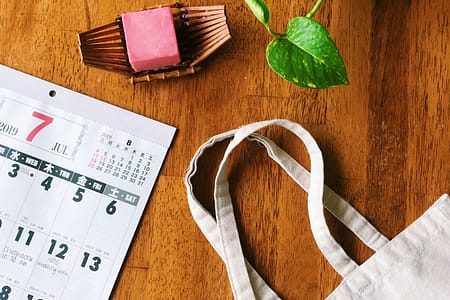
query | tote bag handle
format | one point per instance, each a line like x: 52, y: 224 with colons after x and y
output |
x: 222, y: 231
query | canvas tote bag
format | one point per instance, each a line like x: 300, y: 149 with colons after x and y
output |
x: 413, y: 265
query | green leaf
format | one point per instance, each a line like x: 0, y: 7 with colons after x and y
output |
x: 307, y: 56
x: 260, y: 10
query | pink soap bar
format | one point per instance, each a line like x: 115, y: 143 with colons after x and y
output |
x: 151, y: 39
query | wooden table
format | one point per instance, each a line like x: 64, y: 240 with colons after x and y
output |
x: 385, y: 137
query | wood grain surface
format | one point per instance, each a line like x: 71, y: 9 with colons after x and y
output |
x: 385, y: 137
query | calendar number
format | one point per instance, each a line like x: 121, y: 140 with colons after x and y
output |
x: 14, y: 171
x: 46, y: 120
x: 63, y: 249
x: 79, y: 195
x: 94, y: 266
x: 8, y: 129
x: 47, y: 183
x: 111, y: 208
x: 4, y: 294
x: 19, y: 234
x: 31, y: 297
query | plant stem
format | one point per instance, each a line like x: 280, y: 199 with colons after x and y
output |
x: 314, y: 9
x: 273, y: 33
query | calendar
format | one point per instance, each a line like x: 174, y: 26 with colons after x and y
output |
x: 75, y: 176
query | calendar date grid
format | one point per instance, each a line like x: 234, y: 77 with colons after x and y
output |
x: 90, y: 258
x: 56, y: 252
x: 121, y: 160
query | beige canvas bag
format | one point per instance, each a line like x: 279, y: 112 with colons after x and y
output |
x: 413, y: 265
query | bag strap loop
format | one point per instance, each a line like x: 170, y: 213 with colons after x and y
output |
x: 334, y: 203
x: 222, y: 232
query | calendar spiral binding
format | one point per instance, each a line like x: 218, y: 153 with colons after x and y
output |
x: 200, y: 31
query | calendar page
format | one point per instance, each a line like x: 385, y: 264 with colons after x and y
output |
x: 75, y: 176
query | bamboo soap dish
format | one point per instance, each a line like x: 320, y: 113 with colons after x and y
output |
x: 156, y: 43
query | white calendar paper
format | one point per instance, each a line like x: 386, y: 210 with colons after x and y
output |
x: 75, y: 176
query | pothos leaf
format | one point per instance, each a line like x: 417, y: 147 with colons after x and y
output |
x: 260, y: 10
x: 307, y: 56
